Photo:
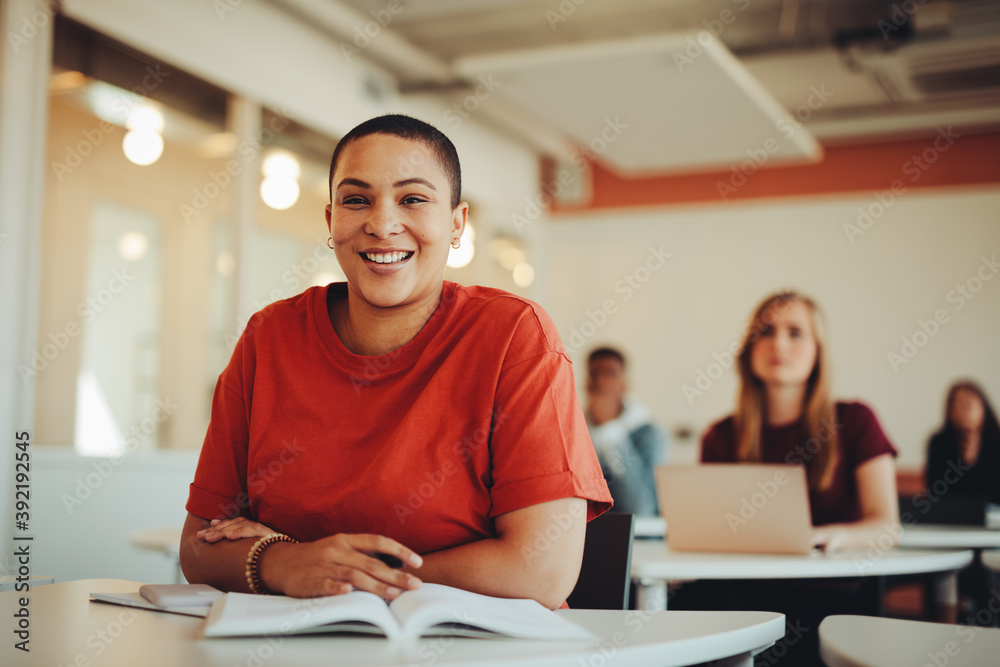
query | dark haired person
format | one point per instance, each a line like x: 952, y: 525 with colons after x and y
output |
x: 628, y: 444
x: 965, y: 452
x: 396, y: 414
x: 963, y: 461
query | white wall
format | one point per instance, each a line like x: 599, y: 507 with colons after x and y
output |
x: 83, y: 510
x: 727, y: 258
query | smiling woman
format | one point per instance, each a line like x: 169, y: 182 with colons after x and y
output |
x: 360, y: 379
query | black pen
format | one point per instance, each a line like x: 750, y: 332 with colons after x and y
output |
x: 389, y: 560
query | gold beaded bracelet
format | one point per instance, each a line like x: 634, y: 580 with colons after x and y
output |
x: 253, y: 561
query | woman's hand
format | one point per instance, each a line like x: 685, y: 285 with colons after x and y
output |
x: 233, y: 529
x: 831, y: 538
x: 338, y: 564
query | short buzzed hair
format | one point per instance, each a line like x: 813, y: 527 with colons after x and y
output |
x: 406, y: 127
x: 606, y: 353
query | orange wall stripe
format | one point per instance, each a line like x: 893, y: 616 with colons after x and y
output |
x: 951, y: 158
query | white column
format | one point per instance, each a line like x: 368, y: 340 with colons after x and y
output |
x: 25, y: 64
x: 244, y: 120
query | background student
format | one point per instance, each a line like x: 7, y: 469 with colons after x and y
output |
x: 785, y: 414
x: 627, y: 442
x: 396, y: 413
x: 965, y: 451
x: 963, y: 461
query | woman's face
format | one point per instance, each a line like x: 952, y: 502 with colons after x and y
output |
x: 391, y: 220
x: 966, y: 411
x: 785, y: 353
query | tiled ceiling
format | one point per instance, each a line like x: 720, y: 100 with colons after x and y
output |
x: 884, y: 69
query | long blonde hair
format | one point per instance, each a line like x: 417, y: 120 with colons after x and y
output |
x: 823, y: 446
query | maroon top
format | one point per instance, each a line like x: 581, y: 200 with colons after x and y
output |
x: 861, y: 439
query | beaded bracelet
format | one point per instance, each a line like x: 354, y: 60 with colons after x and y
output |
x: 253, y: 561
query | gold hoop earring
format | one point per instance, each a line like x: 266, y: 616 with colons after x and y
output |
x: 329, y: 243
x: 456, y: 243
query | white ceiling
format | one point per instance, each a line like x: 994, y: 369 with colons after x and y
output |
x: 638, y: 129
x: 850, y: 70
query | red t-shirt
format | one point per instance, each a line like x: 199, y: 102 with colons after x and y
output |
x: 861, y: 439
x: 475, y: 417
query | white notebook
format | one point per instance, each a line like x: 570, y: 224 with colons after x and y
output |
x: 432, y: 609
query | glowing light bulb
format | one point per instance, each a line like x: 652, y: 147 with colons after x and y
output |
x: 142, y: 147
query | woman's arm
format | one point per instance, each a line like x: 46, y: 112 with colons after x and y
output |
x: 879, y: 523
x: 536, y: 554
x: 329, y: 566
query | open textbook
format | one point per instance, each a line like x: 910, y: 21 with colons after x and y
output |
x: 432, y: 609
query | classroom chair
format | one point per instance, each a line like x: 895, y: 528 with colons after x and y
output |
x: 605, y: 573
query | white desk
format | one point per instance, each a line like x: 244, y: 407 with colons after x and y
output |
x: 649, y: 526
x: 9, y: 581
x: 991, y: 559
x: 949, y: 537
x: 654, y: 564
x: 67, y: 629
x: 867, y: 641
x: 164, y: 540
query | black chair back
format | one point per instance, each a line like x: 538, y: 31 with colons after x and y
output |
x: 605, y: 573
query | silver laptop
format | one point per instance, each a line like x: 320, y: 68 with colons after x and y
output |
x: 738, y: 507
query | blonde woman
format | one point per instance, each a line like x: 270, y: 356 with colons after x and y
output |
x: 785, y: 414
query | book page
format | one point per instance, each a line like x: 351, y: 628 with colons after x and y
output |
x: 242, y: 614
x: 436, y: 609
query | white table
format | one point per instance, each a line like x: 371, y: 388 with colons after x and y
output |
x: 9, y: 581
x: 654, y: 564
x: 649, y: 526
x: 867, y: 641
x: 163, y: 540
x: 949, y: 537
x: 67, y: 629
x: 929, y: 536
x: 991, y: 559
